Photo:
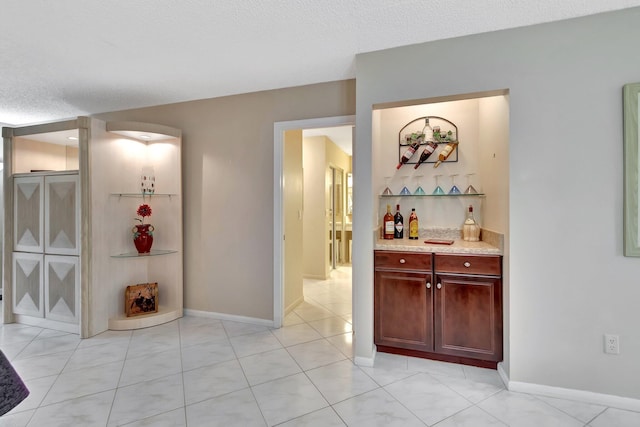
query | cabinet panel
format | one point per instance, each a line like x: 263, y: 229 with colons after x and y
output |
x: 62, y: 215
x: 403, y: 260
x: 403, y: 313
x: 62, y: 288
x: 468, y: 264
x: 468, y: 317
x: 28, y: 214
x: 27, y: 284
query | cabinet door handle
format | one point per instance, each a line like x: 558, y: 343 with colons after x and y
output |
x: 428, y: 285
x: 439, y: 286
x: 467, y: 264
x: 402, y: 261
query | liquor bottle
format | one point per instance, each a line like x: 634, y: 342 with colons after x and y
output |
x: 429, y: 149
x: 388, y: 226
x: 470, y: 229
x: 407, y: 154
x: 444, y: 154
x: 413, y: 225
x: 398, y: 220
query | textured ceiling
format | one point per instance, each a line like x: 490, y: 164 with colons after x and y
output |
x: 64, y: 58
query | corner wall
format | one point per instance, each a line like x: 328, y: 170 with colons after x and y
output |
x: 569, y: 282
x: 227, y: 155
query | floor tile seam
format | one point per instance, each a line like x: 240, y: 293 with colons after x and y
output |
x: 435, y: 376
x: 565, y: 412
x: 205, y: 342
x: 217, y: 396
x: 308, y: 413
x: 403, y: 405
x: 16, y: 357
x: 445, y: 385
x: 392, y: 382
x: 115, y: 389
x: 255, y: 399
x: 466, y: 409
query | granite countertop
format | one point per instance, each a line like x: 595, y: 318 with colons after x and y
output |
x: 459, y: 246
x: 491, y: 243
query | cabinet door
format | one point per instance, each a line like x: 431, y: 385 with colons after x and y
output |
x: 403, y: 316
x: 62, y: 215
x: 27, y: 284
x: 468, y: 317
x: 61, y: 288
x: 28, y: 196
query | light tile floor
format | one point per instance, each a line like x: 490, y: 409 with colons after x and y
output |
x: 203, y: 372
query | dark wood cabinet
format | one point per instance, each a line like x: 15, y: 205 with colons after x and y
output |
x: 403, y: 300
x: 440, y: 306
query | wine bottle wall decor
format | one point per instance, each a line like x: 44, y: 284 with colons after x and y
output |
x: 429, y: 139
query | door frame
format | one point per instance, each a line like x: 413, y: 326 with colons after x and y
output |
x: 278, y: 199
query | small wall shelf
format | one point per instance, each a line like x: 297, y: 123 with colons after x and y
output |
x: 154, y: 252
x: 143, y: 195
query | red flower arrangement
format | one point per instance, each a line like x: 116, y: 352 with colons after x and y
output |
x: 144, y: 210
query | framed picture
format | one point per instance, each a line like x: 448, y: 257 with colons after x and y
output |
x: 141, y: 299
x: 631, y: 102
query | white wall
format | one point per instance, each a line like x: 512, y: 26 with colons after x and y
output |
x: 570, y: 283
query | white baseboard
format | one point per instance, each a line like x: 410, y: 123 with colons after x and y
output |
x: 570, y: 394
x: 366, y: 362
x: 293, y: 305
x: 231, y: 317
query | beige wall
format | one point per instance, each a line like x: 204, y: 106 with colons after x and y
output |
x: 228, y: 188
x: 316, y: 240
x: 36, y: 155
x: 293, y: 182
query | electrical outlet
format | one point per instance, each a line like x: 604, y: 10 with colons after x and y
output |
x: 611, y: 344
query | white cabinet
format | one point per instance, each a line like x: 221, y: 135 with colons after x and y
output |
x: 68, y: 242
x: 28, y: 213
x: 27, y: 280
x: 62, y: 288
x: 46, y: 267
x: 62, y: 215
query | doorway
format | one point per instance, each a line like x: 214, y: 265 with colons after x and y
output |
x: 280, y: 242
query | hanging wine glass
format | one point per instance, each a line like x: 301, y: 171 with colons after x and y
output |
x: 405, y: 191
x: 454, y: 187
x: 438, y: 191
x: 419, y: 191
x: 470, y: 189
x: 387, y: 191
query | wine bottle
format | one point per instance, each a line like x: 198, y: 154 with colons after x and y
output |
x: 398, y: 220
x: 407, y: 154
x: 413, y: 225
x: 388, y: 224
x: 444, y: 154
x: 427, y: 130
x: 470, y: 229
x: 429, y: 149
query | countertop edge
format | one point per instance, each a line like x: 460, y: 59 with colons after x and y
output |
x: 458, y: 247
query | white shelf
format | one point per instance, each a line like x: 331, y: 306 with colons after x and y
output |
x: 164, y: 315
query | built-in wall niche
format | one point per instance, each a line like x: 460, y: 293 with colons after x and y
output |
x: 151, y: 151
x: 50, y: 151
x: 483, y: 124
